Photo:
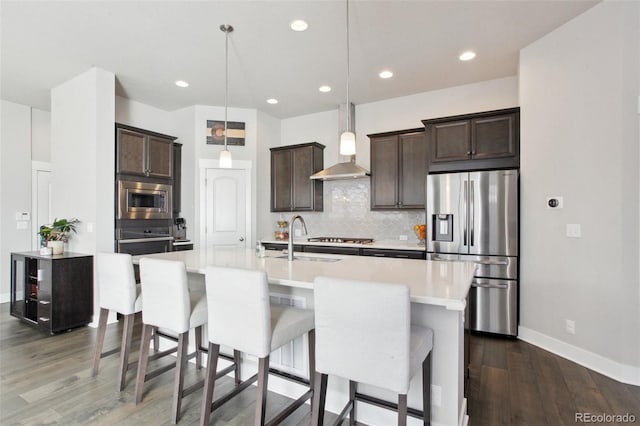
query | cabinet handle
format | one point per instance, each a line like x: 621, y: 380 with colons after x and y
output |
x: 379, y: 255
x: 43, y: 319
x: 39, y: 275
x: 44, y: 302
x: 404, y: 256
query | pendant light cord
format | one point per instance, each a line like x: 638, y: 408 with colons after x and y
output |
x: 348, y: 102
x: 226, y: 84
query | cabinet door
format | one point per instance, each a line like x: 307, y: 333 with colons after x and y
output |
x: 493, y: 137
x: 18, y: 286
x: 177, y: 178
x: 131, y: 152
x: 281, y: 175
x: 384, y: 172
x: 450, y: 141
x: 160, y: 156
x: 413, y: 170
x: 302, y: 186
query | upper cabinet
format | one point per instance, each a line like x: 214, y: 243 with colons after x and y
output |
x: 291, y: 169
x: 486, y: 140
x: 144, y: 153
x: 398, y: 170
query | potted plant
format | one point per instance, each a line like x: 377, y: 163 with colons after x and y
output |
x: 57, y: 233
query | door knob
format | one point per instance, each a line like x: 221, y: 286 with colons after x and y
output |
x: 241, y: 238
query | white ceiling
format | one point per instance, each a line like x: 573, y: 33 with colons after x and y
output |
x: 150, y: 44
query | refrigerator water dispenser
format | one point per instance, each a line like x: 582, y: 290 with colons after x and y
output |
x: 442, y: 225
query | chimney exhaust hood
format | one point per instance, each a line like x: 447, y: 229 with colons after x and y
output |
x: 348, y: 169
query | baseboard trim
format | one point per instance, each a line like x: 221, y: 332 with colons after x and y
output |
x: 613, y: 369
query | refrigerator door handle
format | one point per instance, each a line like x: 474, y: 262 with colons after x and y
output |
x: 466, y: 212
x: 472, y: 212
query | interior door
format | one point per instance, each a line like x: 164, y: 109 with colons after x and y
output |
x: 41, y: 203
x: 226, y: 207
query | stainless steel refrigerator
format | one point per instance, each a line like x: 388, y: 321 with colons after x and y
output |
x: 473, y: 216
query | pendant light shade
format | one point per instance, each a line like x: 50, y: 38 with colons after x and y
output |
x: 348, y: 143
x: 348, y: 137
x: 225, y: 161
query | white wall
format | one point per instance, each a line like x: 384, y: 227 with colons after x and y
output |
x: 183, y: 126
x: 579, y: 88
x: 15, y: 185
x: 268, y: 136
x: 143, y: 116
x: 40, y: 135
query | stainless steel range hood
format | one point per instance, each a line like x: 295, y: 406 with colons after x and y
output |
x: 348, y: 169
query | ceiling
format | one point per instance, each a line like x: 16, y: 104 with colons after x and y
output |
x: 149, y: 45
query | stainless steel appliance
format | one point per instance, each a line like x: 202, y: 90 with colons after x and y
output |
x: 473, y: 216
x: 144, y: 200
x: 144, y: 237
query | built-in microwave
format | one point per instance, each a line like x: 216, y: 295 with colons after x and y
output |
x: 144, y: 200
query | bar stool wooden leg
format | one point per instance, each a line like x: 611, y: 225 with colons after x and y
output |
x: 198, y: 333
x: 181, y: 364
x: 261, y: 397
x: 156, y: 340
x: 143, y: 360
x: 209, y: 383
x: 237, y: 360
x: 402, y: 410
x: 426, y: 390
x: 125, y: 347
x: 353, y: 388
x: 319, y: 399
x: 102, y: 329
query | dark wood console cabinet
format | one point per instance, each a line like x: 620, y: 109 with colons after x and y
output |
x: 52, y: 293
x: 398, y: 170
x: 291, y: 167
x: 484, y: 140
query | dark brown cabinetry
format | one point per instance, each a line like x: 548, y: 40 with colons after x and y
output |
x: 177, y: 178
x: 144, y: 153
x: 353, y: 251
x: 54, y: 293
x: 399, y: 254
x: 398, y: 170
x: 486, y: 140
x: 291, y: 167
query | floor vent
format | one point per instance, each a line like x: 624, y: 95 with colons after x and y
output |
x: 291, y: 357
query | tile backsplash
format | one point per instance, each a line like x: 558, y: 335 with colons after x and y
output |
x: 347, y: 214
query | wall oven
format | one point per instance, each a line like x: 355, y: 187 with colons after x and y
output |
x: 144, y: 200
x: 144, y: 237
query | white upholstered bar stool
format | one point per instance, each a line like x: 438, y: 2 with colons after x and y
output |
x: 170, y: 307
x: 364, y: 334
x: 241, y: 317
x: 118, y: 293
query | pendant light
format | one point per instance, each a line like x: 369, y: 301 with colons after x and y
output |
x: 348, y: 138
x: 225, y: 154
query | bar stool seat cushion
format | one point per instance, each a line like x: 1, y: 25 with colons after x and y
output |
x: 420, y: 346
x: 287, y: 323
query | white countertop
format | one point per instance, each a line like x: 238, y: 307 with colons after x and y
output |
x: 430, y: 282
x: 382, y: 244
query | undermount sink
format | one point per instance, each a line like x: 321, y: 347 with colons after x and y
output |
x: 311, y: 258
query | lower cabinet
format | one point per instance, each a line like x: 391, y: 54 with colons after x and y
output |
x: 53, y: 293
x: 401, y: 254
x: 354, y: 251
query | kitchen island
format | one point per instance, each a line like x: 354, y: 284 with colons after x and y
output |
x: 438, y: 295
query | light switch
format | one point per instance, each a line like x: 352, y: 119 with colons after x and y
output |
x: 574, y: 230
x: 23, y: 216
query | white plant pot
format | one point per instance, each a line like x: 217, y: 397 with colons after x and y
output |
x: 57, y: 247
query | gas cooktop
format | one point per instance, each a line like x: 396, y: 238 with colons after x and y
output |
x: 340, y: 240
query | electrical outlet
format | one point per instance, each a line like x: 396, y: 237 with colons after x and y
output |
x: 570, y: 326
x: 297, y: 232
x: 436, y: 395
x: 404, y: 238
x: 574, y: 230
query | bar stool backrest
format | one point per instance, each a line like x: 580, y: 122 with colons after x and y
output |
x: 116, y: 282
x: 166, y: 294
x: 363, y: 331
x: 239, y: 309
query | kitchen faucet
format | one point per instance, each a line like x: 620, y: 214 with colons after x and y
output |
x: 290, y: 243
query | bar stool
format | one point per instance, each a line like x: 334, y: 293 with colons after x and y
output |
x: 118, y: 293
x: 364, y: 334
x: 241, y: 317
x: 170, y: 307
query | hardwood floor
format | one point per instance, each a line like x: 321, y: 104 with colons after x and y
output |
x: 47, y: 380
x: 515, y: 383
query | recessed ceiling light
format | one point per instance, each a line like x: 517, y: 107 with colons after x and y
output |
x: 299, y: 25
x: 181, y: 83
x: 385, y: 74
x: 324, y: 89
x: 272, y: 101
x: 467, y: 56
